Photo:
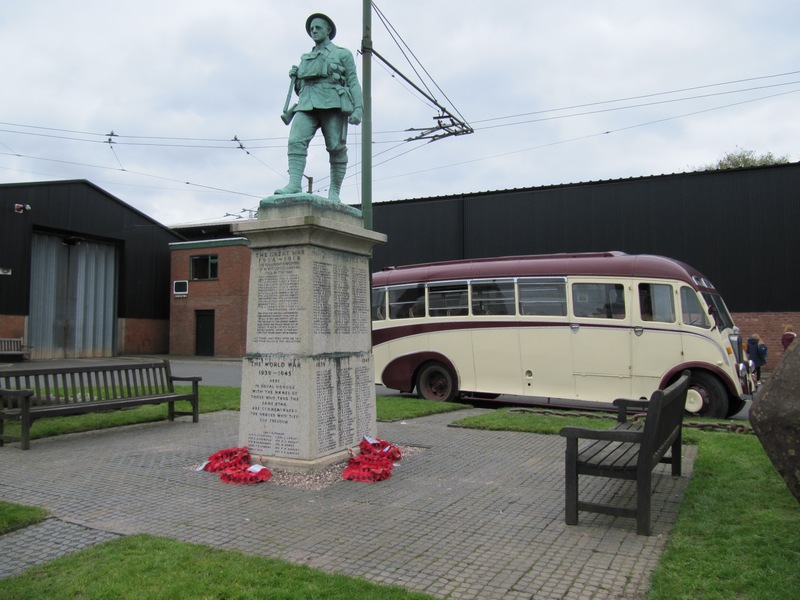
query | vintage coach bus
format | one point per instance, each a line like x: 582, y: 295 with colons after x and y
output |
x: 580, y: 327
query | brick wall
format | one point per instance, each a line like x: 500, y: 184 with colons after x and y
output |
x: 143, y: 336
x: 12, y: 326
x: 770, y: 327
x: 226, y: 296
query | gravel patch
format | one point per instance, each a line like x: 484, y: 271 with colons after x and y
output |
x: 325, y: 477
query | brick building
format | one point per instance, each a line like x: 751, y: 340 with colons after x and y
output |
x: 208, y: 307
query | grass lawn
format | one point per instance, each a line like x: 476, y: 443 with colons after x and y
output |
x: 737, y: 535
x: 15, y: 516
x: 142, y: 567
x: 397, y: 408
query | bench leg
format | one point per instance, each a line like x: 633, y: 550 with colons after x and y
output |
x: 195, y: 402
x: 676, y: 456
x: 643, y: 494
x: 171, y: 411
x: 25, y: 424
x: 2, y: 430
x: 571, y: 482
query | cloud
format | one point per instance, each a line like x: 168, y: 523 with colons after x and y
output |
x: 176, y: 81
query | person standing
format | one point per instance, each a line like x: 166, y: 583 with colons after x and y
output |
x: 787, y: 337
x: 329, y: 97
x: 757, y: 352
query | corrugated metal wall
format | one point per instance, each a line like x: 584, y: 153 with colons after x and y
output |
x: 739, y: 227
x: 73, y: 297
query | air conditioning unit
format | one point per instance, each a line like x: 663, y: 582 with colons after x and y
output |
x: 180, y: 288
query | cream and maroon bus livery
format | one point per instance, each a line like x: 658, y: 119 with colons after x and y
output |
x: 581, y: 327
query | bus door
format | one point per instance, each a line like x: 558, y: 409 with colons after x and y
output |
x: 656, y: 344
x: 545, y: 342
x: 601, y: 344
x: 495, y: 338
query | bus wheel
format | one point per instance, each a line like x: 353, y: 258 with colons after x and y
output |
x: 706, y: 397
x: 436, y: 382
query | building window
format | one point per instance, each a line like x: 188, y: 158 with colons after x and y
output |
x: 205, y: 266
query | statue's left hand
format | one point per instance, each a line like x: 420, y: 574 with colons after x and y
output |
x: 356, y: 116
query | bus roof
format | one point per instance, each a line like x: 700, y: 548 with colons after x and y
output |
x: 613, y: 263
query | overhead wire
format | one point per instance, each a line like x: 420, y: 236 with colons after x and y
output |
x: 225, y: 143
x: 585, y: 137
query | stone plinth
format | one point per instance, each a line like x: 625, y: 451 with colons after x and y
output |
x: 308, y: 390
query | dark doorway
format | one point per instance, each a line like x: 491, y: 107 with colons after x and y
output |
x: 204, y: 332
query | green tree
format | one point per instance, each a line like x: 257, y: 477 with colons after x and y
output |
x: 745, y: 158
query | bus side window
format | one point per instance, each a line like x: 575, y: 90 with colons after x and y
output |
x: 406, y: 302
x: 493, y: 298
x: 656, y: 302
x: 543, y: 297
x: 379, y: 304
x: 598, y: 300
x: 447, y: 300
x: 692, y: 310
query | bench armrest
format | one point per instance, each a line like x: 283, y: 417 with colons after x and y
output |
x: 624, y: 404
x: 20, y: 395
x: 178, y: 378
x: 611, y: 435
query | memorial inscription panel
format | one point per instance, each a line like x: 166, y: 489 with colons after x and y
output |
x: 276, y: 273
x: 272, y: 405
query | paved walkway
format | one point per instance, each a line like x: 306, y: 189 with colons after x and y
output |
x: 476, y: 515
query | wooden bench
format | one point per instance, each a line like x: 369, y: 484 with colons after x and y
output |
x: 14, y: 347
x: 28, y: 394
x: 627, y: 451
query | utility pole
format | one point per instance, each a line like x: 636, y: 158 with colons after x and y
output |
x: 366, y: 124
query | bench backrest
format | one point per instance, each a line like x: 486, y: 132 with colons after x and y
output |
x: 663, y: 421
x: 11, y: 345
x: 90, y: 383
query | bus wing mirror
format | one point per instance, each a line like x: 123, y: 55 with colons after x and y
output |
x: 713, y: 314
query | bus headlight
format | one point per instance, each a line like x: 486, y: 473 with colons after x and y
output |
x: 736, y: 345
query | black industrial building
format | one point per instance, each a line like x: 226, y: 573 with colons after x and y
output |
x: 82, y: 274
x: 739, y: 227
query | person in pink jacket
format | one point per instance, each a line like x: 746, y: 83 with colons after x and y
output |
x: 787, y: 337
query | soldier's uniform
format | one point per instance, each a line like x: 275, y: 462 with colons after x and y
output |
x: 328, y: 90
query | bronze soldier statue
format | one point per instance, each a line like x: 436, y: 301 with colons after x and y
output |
x: 329, y: 97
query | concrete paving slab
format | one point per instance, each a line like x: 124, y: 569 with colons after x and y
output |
x: 477, y: 514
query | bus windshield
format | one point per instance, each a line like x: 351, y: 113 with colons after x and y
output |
x: 723, y: 317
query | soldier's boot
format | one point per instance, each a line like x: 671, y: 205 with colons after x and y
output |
x: 337, y: 177
x: 297, y: 165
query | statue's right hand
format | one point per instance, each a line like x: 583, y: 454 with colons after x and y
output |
x: 293, y: 71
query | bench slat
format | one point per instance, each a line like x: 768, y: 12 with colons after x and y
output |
x: 14, y: 346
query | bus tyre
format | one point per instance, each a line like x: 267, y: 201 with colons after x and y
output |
x: 436, y: 382
x: 706, y: 396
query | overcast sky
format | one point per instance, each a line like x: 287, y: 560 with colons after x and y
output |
x: 556, y: 93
